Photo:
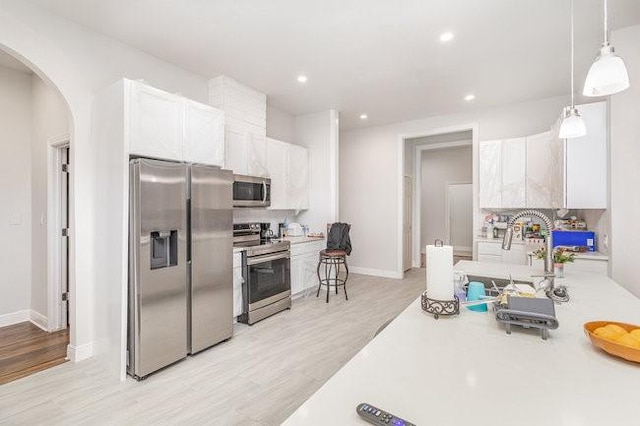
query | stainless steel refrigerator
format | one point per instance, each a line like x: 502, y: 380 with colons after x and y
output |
x: 180, y: 262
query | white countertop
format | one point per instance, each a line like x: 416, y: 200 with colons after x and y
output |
x: 303, y: 239
x: 467, y: 370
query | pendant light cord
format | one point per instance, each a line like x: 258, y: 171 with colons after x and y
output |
x: 606, y: 23
x: 572, y: 102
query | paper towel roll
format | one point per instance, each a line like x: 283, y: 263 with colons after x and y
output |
x: 440, y: 272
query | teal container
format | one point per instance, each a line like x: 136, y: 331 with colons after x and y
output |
x: 474, y: 292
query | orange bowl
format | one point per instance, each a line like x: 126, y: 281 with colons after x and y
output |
x: 613, y: 348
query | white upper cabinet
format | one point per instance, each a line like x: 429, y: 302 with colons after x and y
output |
x: 156, y: 123
x: 237, y: 151
x: 586, y: 161
x: 545, y: 160
x: 288, y: 167
x: 490, y: 174
x: 170, y: 127
x: 257, y: 146
x: 277, y: 155
x: 298, y: 177
x: 204, y: 134
x: 245, y: 123
x: 514, y: 162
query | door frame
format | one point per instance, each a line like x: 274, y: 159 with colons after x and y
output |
x: 404, y: 200
x: 447, y: 215
x: 473, y: 127
x: 56, y: 317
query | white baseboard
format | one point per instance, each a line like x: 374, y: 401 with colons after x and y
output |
x: 375, y: 272
x: 14, y: 317
x: 79, y: 353
x: 38, y: 320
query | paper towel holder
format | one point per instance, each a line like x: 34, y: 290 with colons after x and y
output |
x: 440, y: 307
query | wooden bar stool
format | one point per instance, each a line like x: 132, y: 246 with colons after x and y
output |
x: 332, y: 259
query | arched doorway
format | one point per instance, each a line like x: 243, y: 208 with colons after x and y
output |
x: 38, y: 196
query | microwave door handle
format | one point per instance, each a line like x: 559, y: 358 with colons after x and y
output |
x: 264, y: 192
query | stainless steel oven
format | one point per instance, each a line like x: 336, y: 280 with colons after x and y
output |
x: 266, y: 269
x: 251, y: 191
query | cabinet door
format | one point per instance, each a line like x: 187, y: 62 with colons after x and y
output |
x: 257, y: 146
x: 277, y: 168
x: 298, y: 177
x: 156, y: 123
x: 310, y: 271
x: 204, y: 134
x: 296, y: 274
x: 586, y: 178
x: 236, y: 151
x: 545, y: 159
x: 237, y: 291
x: 514, y: 162
x: 490, y: 159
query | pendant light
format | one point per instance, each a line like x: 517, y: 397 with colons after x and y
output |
x: 608, y: 74
x: 572, y: 125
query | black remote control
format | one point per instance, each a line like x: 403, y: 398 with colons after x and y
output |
x: 376, y: 416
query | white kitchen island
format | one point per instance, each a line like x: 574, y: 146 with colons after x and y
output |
x: 467, y: 370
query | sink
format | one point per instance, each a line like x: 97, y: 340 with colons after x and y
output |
x: 500, y: 282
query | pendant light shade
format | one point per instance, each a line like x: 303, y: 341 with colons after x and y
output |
x: 573, y: 125
x: 608, y: 74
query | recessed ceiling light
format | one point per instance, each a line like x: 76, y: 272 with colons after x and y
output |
x: 363, y: 116
x: 469, y: 97
x: 445, y: 37
x: 302, y: 78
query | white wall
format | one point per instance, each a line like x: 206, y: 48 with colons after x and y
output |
x: 15, y: 190
x: 440, y: 167
x: 369, y: 161
x: 318, y: 132
x: 280, y: 125
x: 50, y: 124
x: 625, y: 165
x: 79, y: 62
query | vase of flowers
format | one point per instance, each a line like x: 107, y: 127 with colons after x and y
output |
x: 560, y: 257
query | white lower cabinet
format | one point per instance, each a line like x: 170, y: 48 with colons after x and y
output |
x: 237, y: 284
x: 304, y: 264
x: 492, y: 252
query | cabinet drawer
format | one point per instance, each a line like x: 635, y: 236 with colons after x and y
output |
x: 493, y: 249
x: 489, y: 258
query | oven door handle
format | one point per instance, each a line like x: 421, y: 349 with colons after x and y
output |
x: 267, y: 258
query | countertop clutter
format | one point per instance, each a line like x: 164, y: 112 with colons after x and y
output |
x: 467, y: 370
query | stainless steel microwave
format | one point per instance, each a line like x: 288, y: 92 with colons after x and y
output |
x: 251, y: 191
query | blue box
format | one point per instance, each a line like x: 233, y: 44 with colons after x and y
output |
x: 575, y: 238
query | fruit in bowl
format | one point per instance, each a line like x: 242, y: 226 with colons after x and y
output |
x: 619, y: 339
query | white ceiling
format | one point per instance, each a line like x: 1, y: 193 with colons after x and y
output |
x: 382, y: 57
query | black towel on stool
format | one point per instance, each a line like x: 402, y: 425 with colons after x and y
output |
x: 338, y: 238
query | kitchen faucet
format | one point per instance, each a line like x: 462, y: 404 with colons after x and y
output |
x: 555, y: 293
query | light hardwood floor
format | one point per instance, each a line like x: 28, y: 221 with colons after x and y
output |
x: 259, y: 377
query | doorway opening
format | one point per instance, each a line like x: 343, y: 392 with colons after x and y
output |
x: 34, y: 320
x: 440, y: 164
